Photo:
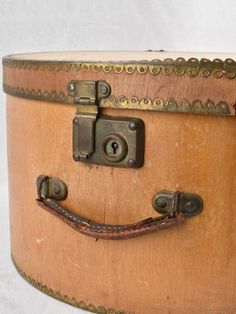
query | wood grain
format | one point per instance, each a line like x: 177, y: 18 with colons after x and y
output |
x: 190, y: 268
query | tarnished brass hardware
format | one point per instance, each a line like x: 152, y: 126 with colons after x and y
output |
x: 188, y: 204
x: 103, y: 140
x: 51, y: 187
x: 114, y: 147
x: 119, y: 142
x: 88, y: 92
x: 86, y: 95
x: 195, y: 106
x: 192, y: 67
x: 169, y: 105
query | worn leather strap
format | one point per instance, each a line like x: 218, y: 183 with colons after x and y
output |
x: 106, y: 231
x: 109, y: 232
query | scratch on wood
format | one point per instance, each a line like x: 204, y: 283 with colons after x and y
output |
x: 40, y: 240
x: 74, y: 264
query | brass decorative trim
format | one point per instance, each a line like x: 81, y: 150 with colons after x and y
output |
x: 50, y: 96
x: 180, y: 66
x: 122, y: 102
x: 170, y: 105
x: 64, y: 298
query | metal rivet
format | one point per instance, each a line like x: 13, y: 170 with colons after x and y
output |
x: 131, y: 163
x: 57, y: 189
x: 132, y: 125
x: 160, y: 202
x: 71, y: 87
x: 76, y: 156
x: 190, y: 206
x: 104, y: 90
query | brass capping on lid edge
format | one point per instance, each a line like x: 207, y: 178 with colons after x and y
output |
x: 64, y: 298
x: 38, y: 94
x: 122, y: 102
x: 180, y: 66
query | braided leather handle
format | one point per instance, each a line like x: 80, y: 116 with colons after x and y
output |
x: 106, y: 231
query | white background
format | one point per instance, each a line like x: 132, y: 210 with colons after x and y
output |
x: 30, y: 25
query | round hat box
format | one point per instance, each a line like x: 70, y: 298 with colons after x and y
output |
x: 122, y: 179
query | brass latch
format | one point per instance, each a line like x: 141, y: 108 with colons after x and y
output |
x: 110, y: 141
x: 87, y: 95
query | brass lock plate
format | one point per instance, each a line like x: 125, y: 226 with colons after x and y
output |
x: 119, y: 142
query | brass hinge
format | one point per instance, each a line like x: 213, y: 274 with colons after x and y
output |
x: 87, y: 95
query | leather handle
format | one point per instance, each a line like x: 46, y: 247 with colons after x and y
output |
x: 106, y: 231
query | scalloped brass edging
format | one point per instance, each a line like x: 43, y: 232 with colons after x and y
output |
x: 52, y: 96
x: 122, y: 102
x: 64, y: 298
x: 170, y: 105
x: 192, y: 67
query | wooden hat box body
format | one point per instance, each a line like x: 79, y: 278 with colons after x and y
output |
x: 187, y: 104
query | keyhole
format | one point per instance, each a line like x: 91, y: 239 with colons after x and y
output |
x: 114, y: 146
